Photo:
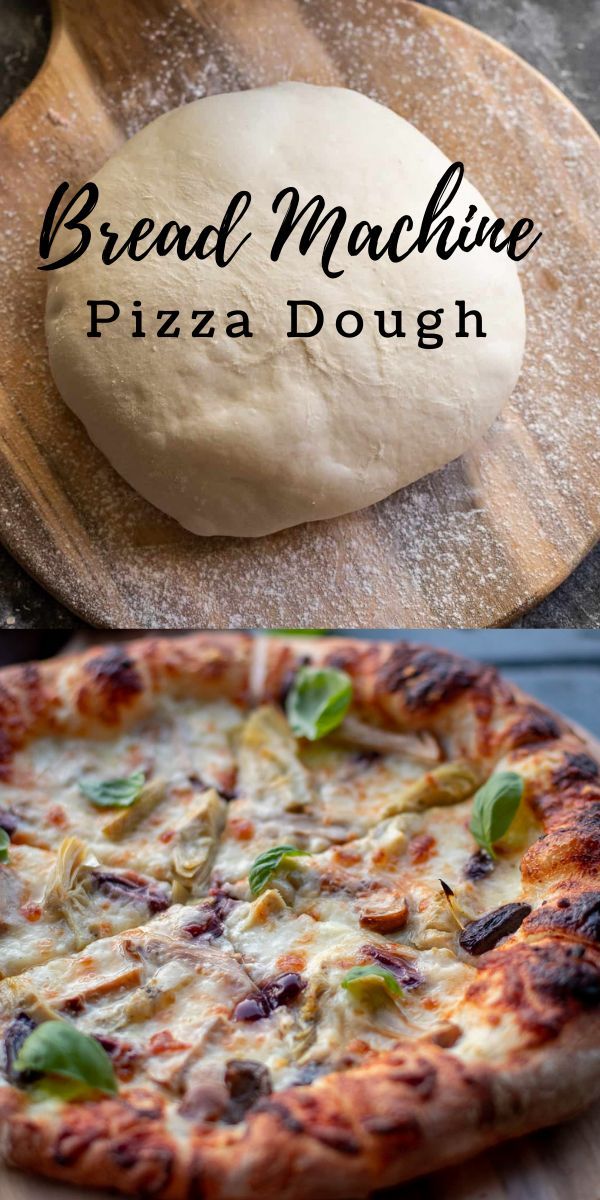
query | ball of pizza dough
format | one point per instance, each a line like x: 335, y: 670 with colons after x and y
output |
x: 244, y: 436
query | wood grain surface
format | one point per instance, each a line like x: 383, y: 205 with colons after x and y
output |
x: 472, y: 545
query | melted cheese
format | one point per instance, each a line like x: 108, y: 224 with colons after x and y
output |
x: 165, y: 993
x: 187, y: 744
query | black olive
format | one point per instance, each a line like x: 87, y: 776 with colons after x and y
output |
x: 208, y: 918
x: 197, y: 782
x: 115, y: 886
x: 110, y: 1044
x: 365, y: 758
x: 479, y: 865
x: 123, y: 1054
x: 15, y: 1035
x: 403, y: 970
x: 205, y: 1103
x: 246, y: 1081
x: 205, y: 924
x: 251, y: 1008
x: 482, y: 935
x: 283, y: 989
x: 223, y: 904
x: 227, y: 793
x: 8, y: 821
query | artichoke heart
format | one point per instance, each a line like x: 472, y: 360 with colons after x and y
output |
x: 65, y: 894
x: 268, y: 904
x: 17, y: 995
x: 127, y: 819
x: 450, y: 783
x: 196, y: 845
x: 308, y: 1019
x: 269, y: 767
x: 158, y: 993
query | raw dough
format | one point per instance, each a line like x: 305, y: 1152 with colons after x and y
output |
x: 246, y: 436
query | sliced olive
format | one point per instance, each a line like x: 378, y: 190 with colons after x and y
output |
x: 117, y: 886
x: 251, y: 1008
x: 281, y: 990
x: 17, y: 1032
x: 483, y: 934
x: 9, y: 821
x: 478, y: 865
x: 246, y: 1081
x: 402, y: 968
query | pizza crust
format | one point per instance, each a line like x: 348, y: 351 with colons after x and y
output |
x: 413, y: 1111
x: 530, y: 1045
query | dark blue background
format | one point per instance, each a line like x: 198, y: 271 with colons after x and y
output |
x: 559, y: 666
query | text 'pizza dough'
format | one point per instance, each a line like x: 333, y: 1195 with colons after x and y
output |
x: 246, y: 436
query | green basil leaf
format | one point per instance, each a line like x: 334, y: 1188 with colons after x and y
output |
x: 495, y: 808
x: 113, y: 793
x: 58, y: 1050
x: 367, y: 981
x: 265, y: 866
x: 296, y: 632
x: 53, y: 1087
x: 318, y: 701
x: 4, y: 846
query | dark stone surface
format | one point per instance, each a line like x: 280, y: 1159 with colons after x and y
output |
x: 559, y: 37
x: 26, y: 605
x: 24, y: 34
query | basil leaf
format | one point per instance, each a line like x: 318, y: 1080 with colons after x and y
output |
x: 53, y: 1087
x: 113, y: 793
x: 318, y: 701
x: 495, y: 807
x: 266, y: 865
x: 4, y: 845
x: 361, y: 981
x: 296, y: 632
x: 56, y: 1049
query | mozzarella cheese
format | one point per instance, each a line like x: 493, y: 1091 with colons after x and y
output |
x: 178, y: 995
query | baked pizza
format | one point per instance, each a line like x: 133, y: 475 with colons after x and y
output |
x: 288, y: 917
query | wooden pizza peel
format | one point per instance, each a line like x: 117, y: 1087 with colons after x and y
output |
x: 474, y: 544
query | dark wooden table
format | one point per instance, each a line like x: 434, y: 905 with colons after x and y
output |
x: 560, y: 37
